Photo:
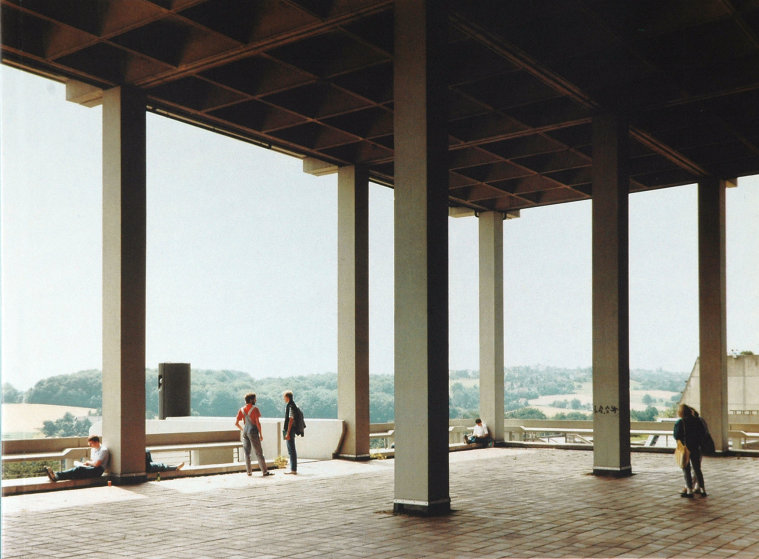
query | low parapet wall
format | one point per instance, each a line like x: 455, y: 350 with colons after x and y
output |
x: 209, y: 445
x: 321, y: 441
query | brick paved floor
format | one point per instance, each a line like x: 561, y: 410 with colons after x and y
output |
x: 507, y: 502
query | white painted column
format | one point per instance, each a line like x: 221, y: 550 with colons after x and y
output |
x: 421, y: 259
x: 353, y: 310
x: 611, y: 361
x: 491, y: 322
x: 124, y: 282
x: 712, y: 309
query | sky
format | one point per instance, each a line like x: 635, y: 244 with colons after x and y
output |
x: 242, y: 258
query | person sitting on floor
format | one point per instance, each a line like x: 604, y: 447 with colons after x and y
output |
x: 94, y: 467
x: 480, y: 434
x: 151, y: 467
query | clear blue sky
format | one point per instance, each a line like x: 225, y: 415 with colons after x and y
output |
x: 242, y: 258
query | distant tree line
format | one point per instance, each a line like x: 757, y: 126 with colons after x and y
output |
x: 212, y: 393
x: 67, y: 426
x: 649, y: 414
x: 220, y: 393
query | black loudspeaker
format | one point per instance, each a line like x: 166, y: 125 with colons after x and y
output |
x: 173, y: 390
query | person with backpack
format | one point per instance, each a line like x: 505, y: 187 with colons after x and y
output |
x: 251, y: 434
x: 289, y: 431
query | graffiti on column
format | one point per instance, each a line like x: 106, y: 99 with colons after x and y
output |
x: 606, y: 410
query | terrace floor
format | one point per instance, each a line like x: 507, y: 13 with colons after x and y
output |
x: 508, y: 502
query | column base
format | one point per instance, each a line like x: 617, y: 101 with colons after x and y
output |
x: 422, y: 508
x: 128, y: 479
x: 613, y: 472
x: 353, y: 457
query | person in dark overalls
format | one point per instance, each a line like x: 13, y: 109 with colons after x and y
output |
x: 251, y: 434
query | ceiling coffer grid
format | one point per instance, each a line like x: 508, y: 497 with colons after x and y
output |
x: 525, y: 80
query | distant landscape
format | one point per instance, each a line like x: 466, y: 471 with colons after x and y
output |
x: 530, y: 392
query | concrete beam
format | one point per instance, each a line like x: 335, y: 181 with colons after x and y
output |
x: 461, y: 211
x: 318, y: 168
x: 83, y: 93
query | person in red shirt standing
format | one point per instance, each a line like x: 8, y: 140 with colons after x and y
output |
x: 251, y: 434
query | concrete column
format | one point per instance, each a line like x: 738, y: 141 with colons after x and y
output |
x: 421, y: 259
x: 124, y: 282
x: 353, y: 310
x: 611, y: 362
x: 491, y: 322
x: 711, y: 304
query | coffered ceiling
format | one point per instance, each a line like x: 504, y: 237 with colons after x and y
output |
x: 315, y: 78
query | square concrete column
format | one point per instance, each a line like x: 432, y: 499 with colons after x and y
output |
x: 491, y: 321
x: 421, y: 259
x: 711, y: 309
x: 353, y: 310
x: 124, y: 282
x: 611, y: 361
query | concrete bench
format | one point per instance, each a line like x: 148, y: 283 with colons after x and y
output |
x: 456, y: 434
x: 209, y: 470
x: 576, y: 433
x: 743, y: 439
x: 67, y: 454
x: 385, y: 436
x: 455, y: 438
x: 581, y: 433
x: 39, y: 484
x: 653, y: 434
x: 202, y: 454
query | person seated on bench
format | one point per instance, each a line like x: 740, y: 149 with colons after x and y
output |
x: 94, y: 467
x: 151, y: 467
x: 480, y: 434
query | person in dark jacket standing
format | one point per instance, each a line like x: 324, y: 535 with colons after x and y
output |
x: 690, y: 431
x: 289, y: 433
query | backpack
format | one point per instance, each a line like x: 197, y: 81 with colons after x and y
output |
x: 299, y: 424
x: 707, y: 443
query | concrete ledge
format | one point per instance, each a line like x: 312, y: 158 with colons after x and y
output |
x: 579, y: 446
x: 194, y: 471
x: 40, y: 484
x: 383, y: 452
x: 78, y: 453
x: 454, y: 447
x: 565, y: 446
